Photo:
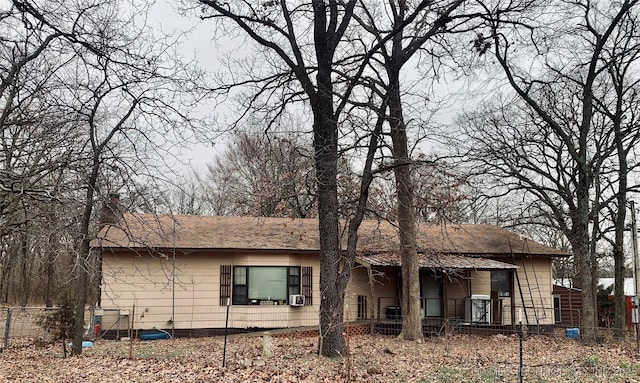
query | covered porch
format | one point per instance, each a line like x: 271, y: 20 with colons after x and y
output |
x: 455, y: 290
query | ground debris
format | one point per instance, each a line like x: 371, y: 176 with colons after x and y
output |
x: 461, y: 358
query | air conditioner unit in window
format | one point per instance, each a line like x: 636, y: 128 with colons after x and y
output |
x: 478, y: 309
x: 296, y: 300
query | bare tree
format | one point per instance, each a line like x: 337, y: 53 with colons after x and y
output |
x: 305, y: 40
x: 264, y: 175
x: 617, y: 101
x: 415, y: 28
x: 303, y: 49
x: 34, y: 150
x: 542, y: 139
x: 126, y: 96
x: 188, y: 197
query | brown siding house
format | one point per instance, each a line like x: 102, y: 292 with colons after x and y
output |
x: 567, y: 305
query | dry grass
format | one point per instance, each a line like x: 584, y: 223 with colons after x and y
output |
x: 372, y: 359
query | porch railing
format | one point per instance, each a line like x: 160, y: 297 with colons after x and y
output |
x: 468, y: 310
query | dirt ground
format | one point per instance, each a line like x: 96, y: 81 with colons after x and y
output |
x: 372, y: 359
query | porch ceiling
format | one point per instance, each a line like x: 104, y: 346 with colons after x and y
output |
x: 436, y: 261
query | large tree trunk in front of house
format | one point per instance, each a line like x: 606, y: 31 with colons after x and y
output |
x: 410, y: 302
x: 579, y: 238
x: 620, y: 303
x: 325, y: 141
x: 80, y: 298
x: 618, y: 248
x: 618, y: 274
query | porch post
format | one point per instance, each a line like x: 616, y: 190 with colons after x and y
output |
x: 445, y: 304
x: 371, y: 306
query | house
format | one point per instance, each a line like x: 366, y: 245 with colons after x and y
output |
x: 197, y: 273
x: 567, y: 304
x: 567, y: 301
x: 606, y: 311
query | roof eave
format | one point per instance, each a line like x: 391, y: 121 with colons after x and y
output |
x: 186, y: 250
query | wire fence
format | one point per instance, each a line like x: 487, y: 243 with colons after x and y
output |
x: 19, y: 325
x: 193, y: 321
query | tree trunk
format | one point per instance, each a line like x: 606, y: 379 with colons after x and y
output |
x: 618, y: 274
x: 24, y: 257
x: 331, y: 289
x: 50, y: 271
x: 80, y: 287
x: 80, y: 299
x: 620, y: 222
x: 5, y: 280
x: 410, y: 303
x: 83, y: 255
x: 325, y: 142
x: 580, y: 245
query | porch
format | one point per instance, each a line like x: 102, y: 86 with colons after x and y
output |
x: 473, y: 315
x: 457, y: 291
x: 476, y: 310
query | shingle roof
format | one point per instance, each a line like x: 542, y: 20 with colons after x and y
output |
x: 252, y: 233
x: 436, y: 261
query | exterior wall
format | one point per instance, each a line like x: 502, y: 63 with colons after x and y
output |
x: 358, y: 286
x: 538, y: 299
x: 457, y: 286
x: 480, y: 282
x: 381, y: 293
x: 191, y: 300
x: 570, y: 305
x: 534, y: 272
x: 536, y: 280
x: 456, y: 290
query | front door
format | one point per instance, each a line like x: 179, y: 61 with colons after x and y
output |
x: 431, y: 286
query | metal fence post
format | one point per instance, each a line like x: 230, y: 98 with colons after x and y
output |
x: 7, y: 327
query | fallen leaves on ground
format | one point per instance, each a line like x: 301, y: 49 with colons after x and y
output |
x: 371, y: 359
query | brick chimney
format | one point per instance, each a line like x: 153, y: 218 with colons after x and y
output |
x: 111, y: 212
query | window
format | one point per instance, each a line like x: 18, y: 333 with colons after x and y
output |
x: 362, y: 307
x: 240, y: 291
x: 294, y: 280
x: 501, y: 283
x: 264, y: 285
x: 557, y: 307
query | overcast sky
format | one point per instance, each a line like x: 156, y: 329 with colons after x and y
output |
x: 196, y: 42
